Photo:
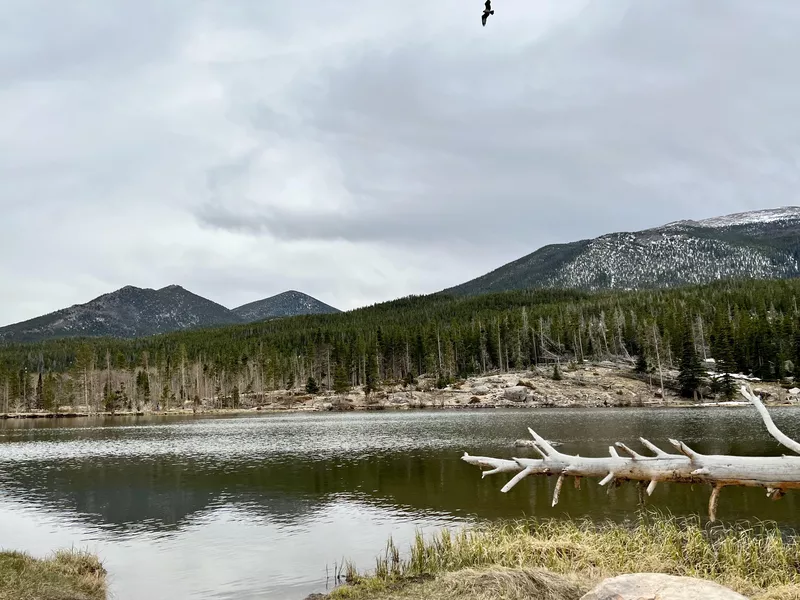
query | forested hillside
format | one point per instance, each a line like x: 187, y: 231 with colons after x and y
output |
x: 763, y: 244
x: 749, y: 326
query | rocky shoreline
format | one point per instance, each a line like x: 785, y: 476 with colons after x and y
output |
x: 607, y: 384
x: 580, y: 386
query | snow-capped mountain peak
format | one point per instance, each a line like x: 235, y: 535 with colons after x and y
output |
x: 769, y: 215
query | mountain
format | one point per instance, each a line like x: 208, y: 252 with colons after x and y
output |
x: 127, y: 312
x: 758, y: 244
x: 287, y: 304
x: 135, y: 312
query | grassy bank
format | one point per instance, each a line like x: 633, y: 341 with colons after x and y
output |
x: 67, y: 575
x: 562, y: 560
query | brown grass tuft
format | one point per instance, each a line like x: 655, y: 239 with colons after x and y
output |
x: 67, y: 575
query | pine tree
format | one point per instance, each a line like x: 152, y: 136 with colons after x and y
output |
x: 311, y: 386
x: 796, y: 354
x: 641, y: 363
x: 109, y: 398
x: 143, y: 386
x: 341, y: 381
x: 49, y: 393
x: 690, y: 368
x: 723, y: 355
x: 556, y: 373
x: 235, y: 396
x: 371, y: 375
x: 39, y: 392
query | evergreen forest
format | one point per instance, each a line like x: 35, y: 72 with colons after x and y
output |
x: 750, y: 327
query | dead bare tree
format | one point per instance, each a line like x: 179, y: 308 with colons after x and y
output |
x: 776, y: 474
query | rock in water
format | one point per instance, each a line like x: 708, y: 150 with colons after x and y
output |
x: 647, y: 586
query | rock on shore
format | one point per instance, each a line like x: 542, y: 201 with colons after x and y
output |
x: 639, y: 586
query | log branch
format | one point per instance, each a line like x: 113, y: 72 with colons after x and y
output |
x: 771, y: 427
x: 776, y: 474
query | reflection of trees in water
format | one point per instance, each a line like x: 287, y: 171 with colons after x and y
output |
x: 286, y: 486
x: 163, y: 494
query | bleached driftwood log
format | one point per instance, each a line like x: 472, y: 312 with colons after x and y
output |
x: 776, y: 474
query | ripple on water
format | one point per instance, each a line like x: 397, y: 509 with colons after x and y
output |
x: 259, y: 506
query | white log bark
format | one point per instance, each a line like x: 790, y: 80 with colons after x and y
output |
x: 776, y: 474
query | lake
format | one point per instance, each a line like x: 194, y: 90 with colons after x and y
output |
x: 266, y: 506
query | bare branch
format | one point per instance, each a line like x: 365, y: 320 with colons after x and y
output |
x: 557, y: 491
x: 713, y: 502
x: 632, y: 453
x: 771, y: 427
x: 652, y: 447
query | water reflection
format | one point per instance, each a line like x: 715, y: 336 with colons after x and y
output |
x: 257, y: 506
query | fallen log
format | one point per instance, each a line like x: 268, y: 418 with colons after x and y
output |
x: 776, y: 474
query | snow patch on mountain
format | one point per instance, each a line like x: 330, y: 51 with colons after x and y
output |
x: 632, y: 261
x: 769, y: 215
x: 750, y: 245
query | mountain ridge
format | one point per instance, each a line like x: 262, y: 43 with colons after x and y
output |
x: 753, y: 244
x: 746, y: 245
x: 131, y: 312
x: 288, y: 303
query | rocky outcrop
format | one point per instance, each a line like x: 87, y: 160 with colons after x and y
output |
x: 651, y: 586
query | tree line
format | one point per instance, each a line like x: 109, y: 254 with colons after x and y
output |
x: 751, y: 327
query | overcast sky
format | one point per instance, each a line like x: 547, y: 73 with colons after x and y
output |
x: 359, y: 151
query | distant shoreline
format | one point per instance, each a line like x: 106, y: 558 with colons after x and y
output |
x: 232, y: 412
x: 604, y: 385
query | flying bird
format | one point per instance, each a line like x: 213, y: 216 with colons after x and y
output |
x: 486, y: 12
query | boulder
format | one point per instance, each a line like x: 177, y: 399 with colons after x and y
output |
x: 517, y: 393
x: 647, y: 586
x: 480, y: 390
x: 400, y: 398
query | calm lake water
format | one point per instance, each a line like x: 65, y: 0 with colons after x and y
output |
x: 264, y: 506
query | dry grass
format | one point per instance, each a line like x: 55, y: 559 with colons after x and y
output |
x: 469, y: 584
x: 755, y: 560
x: 67, y: 575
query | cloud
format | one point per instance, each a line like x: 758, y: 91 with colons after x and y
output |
x: 365, y: 151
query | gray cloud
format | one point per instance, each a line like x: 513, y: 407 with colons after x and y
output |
x: 365, y: 152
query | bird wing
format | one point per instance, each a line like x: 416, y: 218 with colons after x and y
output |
x: 488, y: 5
x: 483, y: 19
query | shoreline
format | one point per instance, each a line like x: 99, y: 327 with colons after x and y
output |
x: 564, y: 559
x: 603, y: 385
x: 233, y: 412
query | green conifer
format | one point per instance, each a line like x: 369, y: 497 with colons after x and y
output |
x: 691, y: 370
x: 311, y: 386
